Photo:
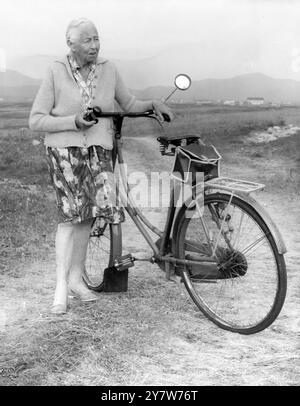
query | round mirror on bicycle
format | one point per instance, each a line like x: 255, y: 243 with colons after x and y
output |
x: 182, y: 81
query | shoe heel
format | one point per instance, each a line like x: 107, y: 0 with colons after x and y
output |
x: 58, y: 309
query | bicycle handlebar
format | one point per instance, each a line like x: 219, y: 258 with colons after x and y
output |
x: 96, y: 112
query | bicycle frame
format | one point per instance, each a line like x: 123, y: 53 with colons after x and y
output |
x: 230, y: 186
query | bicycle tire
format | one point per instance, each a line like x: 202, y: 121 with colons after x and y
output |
x: 105, y: 244
x: 253, y: 295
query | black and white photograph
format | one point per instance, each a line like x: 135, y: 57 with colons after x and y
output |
x: 149, y: 195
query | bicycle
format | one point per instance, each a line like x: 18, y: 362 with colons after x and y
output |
x: 225, y: 248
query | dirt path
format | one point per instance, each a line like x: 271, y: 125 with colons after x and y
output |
x: 178, y: 346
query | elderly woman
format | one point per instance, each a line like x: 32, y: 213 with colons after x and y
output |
x: 78, y: 151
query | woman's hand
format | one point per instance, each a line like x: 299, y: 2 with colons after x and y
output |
x: 160, y: 108
x: 81, y: 123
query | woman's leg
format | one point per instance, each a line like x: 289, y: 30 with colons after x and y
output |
x: 80, y: 243
x: 63, y: 247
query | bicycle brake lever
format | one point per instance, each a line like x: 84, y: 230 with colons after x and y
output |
x: 155, y: 118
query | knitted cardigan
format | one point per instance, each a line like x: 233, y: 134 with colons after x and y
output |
x: 59, y: 100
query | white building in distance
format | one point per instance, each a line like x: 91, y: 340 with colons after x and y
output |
x: 229, y: 102
x: 255, y: 101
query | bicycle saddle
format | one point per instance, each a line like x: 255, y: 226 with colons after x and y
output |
x: 176, y: 140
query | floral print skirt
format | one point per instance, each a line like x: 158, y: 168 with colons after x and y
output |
x: 84, y: 183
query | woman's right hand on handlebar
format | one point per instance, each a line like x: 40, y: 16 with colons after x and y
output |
x: 81, y: 123
x: 162, y: 111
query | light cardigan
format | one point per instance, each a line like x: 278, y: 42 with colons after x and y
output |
x: 59, y: 100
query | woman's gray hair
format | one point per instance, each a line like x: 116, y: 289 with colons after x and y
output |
x: 74, y: 24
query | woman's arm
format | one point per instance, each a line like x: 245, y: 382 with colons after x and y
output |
x: 126, y: 100
x: 129, y: 103
x: 40, y: 118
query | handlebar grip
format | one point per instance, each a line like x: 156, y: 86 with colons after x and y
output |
x: 90, y: 116
x: 97, y: 110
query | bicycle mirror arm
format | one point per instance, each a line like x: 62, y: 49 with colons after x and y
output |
x: 167, y: 98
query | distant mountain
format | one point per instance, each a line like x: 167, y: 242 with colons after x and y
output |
x: 17, y: 86
x: 34, y: 66
x: 236, y: 88
x: 11, y: 78
x: 200, y: 60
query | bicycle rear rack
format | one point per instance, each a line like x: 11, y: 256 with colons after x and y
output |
x: 234, y: 185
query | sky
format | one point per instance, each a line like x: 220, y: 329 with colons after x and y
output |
x: 268, y: 30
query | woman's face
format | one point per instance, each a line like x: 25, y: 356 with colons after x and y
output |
x: 85, y: 46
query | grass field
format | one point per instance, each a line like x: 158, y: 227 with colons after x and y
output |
x: 151, y: 334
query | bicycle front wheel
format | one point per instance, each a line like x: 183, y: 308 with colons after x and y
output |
x: 244, y: 289
x: 105, y: 244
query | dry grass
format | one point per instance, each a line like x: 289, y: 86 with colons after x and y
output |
x: 151, y: 334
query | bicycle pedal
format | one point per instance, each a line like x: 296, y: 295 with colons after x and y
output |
x: 124, y: 262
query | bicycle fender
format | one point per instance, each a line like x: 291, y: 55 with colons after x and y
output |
x: 280, y: 245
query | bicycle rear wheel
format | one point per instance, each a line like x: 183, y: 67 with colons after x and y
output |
x: 105, y: 244
x: 244, y: 290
